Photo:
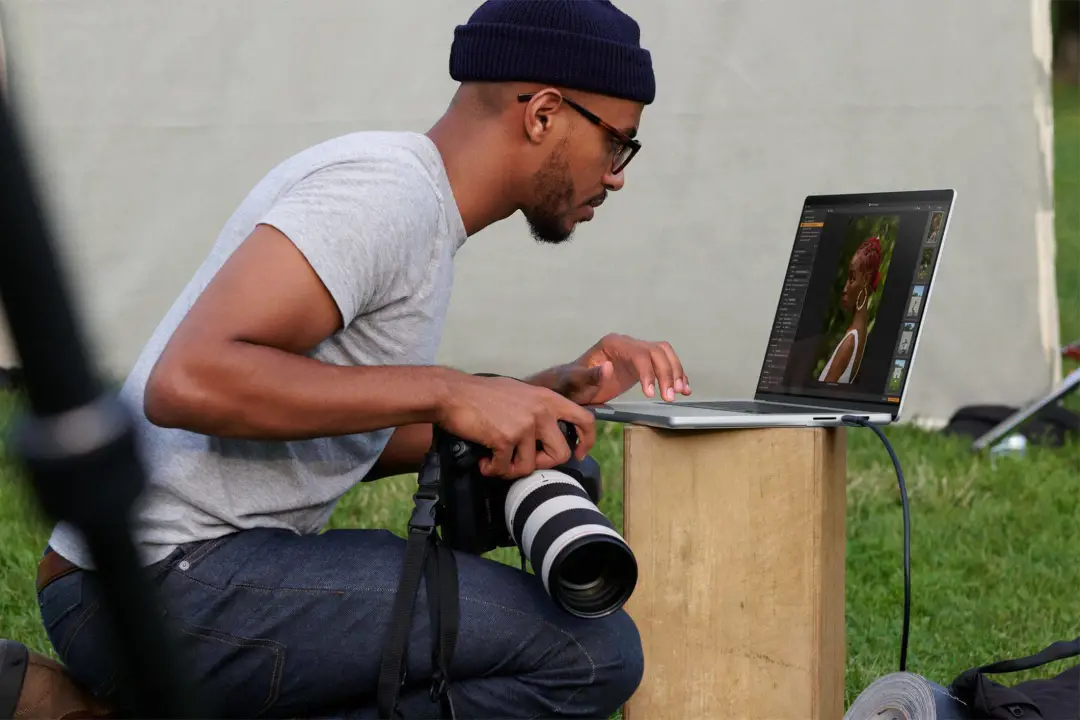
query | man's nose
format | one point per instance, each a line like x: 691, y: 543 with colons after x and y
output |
x: 613, y: 182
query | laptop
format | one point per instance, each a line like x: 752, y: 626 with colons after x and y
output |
x: 847, y: 326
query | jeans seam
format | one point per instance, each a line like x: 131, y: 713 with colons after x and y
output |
x: 257, y: 588
x: 240, y: 641
x: 592, y: 663
x: 57, y: 617
x: 80, y: 622
x: 184, y: 575
x: 310, y: 591
x: 592, y: 672
x: 109, y: 686
x: 202, y: 552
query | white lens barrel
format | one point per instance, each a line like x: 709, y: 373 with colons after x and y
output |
x: 553, y: 520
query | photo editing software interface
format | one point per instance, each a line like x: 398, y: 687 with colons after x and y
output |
x: 853, y: 298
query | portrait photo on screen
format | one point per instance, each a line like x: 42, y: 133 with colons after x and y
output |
x: 855, y: 295
x: 935, y: 227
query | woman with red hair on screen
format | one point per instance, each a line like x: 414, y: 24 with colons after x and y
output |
x: 863, y: 278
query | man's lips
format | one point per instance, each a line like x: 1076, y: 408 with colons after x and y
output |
x: 591, y: 205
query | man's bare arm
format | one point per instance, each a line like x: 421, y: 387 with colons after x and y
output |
x: 236, y: 364
x: 405, y: 452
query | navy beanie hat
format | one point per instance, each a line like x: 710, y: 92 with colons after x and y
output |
x: 587, y: 45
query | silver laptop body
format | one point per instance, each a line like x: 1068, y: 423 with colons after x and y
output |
x: 804, y: 381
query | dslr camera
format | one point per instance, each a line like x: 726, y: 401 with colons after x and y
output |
x: 551, y: 516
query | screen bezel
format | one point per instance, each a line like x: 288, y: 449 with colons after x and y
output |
x: 885, y: 197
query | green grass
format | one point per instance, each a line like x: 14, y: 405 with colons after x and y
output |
x: 994, y: 557
x: 1067, y: 181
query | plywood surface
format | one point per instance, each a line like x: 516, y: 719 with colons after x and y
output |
x: 739, y: 537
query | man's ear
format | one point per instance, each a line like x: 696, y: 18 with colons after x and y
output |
x: 541, y: 117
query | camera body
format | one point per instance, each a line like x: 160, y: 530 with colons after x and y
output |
x: 472, y: 506
x: 550, y: 516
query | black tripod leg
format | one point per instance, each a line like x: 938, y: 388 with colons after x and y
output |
x: 1018, y: 418
x: 78, y: 441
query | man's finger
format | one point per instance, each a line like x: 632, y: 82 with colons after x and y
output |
x: 682, y: 384
x: 555, y: 450
x: 664, y: 375
x: 524, y: 461
x: 646, y: 374
x: 499, y: 465
x: 585, y: 423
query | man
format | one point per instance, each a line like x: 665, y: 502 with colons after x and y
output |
x: 300, y: 361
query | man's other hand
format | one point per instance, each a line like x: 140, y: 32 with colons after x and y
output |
x: 509, y: 417
x: 614, y: 365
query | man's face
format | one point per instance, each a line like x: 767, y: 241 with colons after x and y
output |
x: 580, y: 166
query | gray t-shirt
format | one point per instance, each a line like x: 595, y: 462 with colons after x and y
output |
x: 375, y: 217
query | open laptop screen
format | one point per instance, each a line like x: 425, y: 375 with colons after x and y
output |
x: 853, y: 297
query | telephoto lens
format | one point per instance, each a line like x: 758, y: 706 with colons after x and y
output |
x: 586, y: 566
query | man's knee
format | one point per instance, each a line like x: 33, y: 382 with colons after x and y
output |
x: 618, y: 660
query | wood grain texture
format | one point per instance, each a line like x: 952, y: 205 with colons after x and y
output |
x: 739, y: 537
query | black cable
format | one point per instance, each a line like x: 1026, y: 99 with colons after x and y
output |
x: 862, y: 422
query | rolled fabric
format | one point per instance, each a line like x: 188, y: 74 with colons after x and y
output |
x: 906, y: 696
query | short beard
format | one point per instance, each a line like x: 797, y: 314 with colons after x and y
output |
x: 554, y: 190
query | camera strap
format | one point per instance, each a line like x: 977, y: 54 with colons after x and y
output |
x: 426, y: 556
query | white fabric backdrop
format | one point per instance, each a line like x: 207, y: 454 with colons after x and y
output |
x: 153, y: 118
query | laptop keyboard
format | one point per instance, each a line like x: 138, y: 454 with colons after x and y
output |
x: 748, y: 406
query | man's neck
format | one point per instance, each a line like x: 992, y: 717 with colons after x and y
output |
x: 477, y: 175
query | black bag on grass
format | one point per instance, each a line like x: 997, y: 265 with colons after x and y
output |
x: 1051, y: 426
x: 1056, y: 698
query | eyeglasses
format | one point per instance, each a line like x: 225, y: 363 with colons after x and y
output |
x: 627, y: 146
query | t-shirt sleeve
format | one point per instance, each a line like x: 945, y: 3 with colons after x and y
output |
x: 362, y: 226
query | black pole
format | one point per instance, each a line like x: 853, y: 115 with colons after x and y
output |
x: 78, y: 442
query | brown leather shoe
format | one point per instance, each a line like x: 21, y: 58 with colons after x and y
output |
x: 34, y: 686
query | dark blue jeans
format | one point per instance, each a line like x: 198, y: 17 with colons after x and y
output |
x: 277, y: 625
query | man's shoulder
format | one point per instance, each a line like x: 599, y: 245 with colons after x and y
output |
x: 372, y: 213
x: 407, y: 153
x: 401, y: 170
x: 373, y: 143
